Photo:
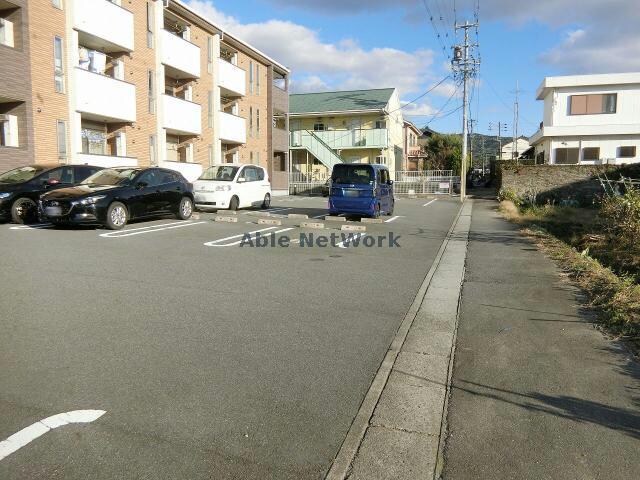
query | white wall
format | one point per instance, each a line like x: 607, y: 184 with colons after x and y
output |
x: 608, y: 145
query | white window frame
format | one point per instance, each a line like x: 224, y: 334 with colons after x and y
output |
x: 6, y: 33
x: 61, y: 138
x: 58, y: 65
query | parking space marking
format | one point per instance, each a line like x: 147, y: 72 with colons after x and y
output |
x: 351, y: 239
x: 217, y: 243
x: 393, y: 219
x: 151, y: 229
x: 432, y: 201
x: 35, y: 226
x: 27, y: 435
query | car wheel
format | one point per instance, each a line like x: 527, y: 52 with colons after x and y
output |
x: 185, y: 210
x: 234, y: 204
x: 267, y: 201
x: 24, y: 210
x: 117, y: 216
x: 393, y: 207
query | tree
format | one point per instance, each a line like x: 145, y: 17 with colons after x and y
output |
x: 444, y: 152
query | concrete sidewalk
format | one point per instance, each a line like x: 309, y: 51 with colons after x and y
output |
x: 538, y: 392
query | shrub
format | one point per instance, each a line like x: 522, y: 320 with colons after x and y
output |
x: 622, y: 216
x: 509, y: 195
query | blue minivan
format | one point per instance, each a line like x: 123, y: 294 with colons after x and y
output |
x: 361, y: 189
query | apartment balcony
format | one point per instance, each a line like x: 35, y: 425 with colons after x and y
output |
x: 180, y: 57
x: 415, y: 152
x: 105, y: 98
x: 280, y: 140
x: 105, y: 161
x: 350, y: 139
x: 181, y: 117
x: 103, y: 25
x: 280, y: 100
x: 231, y: 79
x: 233, y: 129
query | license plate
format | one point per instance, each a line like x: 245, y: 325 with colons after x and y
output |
x: 351, y: 193
x: 53, y: 211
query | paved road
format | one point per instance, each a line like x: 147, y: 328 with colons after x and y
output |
x: 538, y: 393
x: 211, y: 362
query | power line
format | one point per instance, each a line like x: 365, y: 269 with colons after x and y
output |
x: 423, y: 95
x: 435, y: 27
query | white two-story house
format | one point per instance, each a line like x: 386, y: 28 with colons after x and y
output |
x: 589, y: 119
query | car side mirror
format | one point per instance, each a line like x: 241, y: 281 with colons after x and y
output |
x: 141, y: 185
x: 242, y: 180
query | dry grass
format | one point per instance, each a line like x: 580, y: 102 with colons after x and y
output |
x: 557, y: 231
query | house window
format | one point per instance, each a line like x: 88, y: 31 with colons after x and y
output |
x: 251, y: 157
x: 319, y: 127
x: 567, y: 156
x: 591, y: 154
x: 593, y: 104
x: 257, y: 158
x: 210, y: 109
x: 381, y: 160
x: 58, y: 61
x: 250, y: 77
x: 626, y: 152
x: 150, y: 23
x: 258, y: 123
x: 94, y: 138
x: 380, y: 124
x: 6, y: 33
x: 258, y: 78
x: 61, y: 133
x: 251, y: 121
x: 151, y: 91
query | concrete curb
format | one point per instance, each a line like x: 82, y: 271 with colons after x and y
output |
x: 226, y: 219
x: 268, y: 221
x: 354, y: 228
x: 393, y: 435
x: 314, y: 225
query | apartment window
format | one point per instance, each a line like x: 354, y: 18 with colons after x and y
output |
x: 626, y: 152
x: 258, y: 123
x: 590, y: 154
x: 153, y: 155
x: 9, y: 131
x: 57, y: 3
x: 94, y: 138
x: 61, y: 133
x: 258, y: 78
x: 210, y: 109
x: 593, y: 104
x: 567, y: 156
x: 150, y: 23
x: 319, y: 127
x: 251, y: 157
x: 210, y: 56
x: 381, y: 160
x: 257, y: 158
x: 151, y: 91
x: 58, y: 61
x: 6, y: 33
x: 380, y: 124
x: 251, y: 121
x: 211, y: 159
x: 250, y: 77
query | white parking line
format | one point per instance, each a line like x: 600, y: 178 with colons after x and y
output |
x: 214, y: 243
x: 35, y: 226
x: 27, y: 435
x: 393, y: 219
x: 432, y: 201
x: 151, y: 229
x: 356, y: 238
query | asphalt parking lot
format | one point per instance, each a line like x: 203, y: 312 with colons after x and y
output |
x: 211, y: 359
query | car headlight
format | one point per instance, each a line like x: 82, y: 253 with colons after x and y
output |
x: 90, y: 200
x: 4, y: 195
x: 223, y: 188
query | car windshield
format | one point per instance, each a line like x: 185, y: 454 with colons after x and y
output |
x: 19, y: 175
x: 353, y: 175
x: 223, y: 173
x: 111, y: 176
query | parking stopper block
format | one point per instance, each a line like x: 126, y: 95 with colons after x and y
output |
x: 269, y: 221
x: 299, y: 216
x: 226, y: 219
x: 354, y: 228
x: 372, y: 220
x: 315, y: 225
x: 330, y: 218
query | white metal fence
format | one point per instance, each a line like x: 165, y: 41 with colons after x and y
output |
x: 406, y: 183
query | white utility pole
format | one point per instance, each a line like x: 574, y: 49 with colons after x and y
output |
x: 466, y: 66
x: 516, y: 119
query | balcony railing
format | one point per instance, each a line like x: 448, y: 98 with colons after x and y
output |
x: 106, y: 97
x: 105, y: 161
x: 344, y: 139
x: 180, y: 55
x: 182, y: 117
x: 232, y: 79
x: 233, y: 129
x: 106, y: 21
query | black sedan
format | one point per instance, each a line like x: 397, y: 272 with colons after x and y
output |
x: 21, y: 188
x: 114, y: 196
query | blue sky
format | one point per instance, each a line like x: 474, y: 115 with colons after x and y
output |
x: 343, y: 44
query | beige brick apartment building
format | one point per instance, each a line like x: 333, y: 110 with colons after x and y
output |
x: 136, y: 82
